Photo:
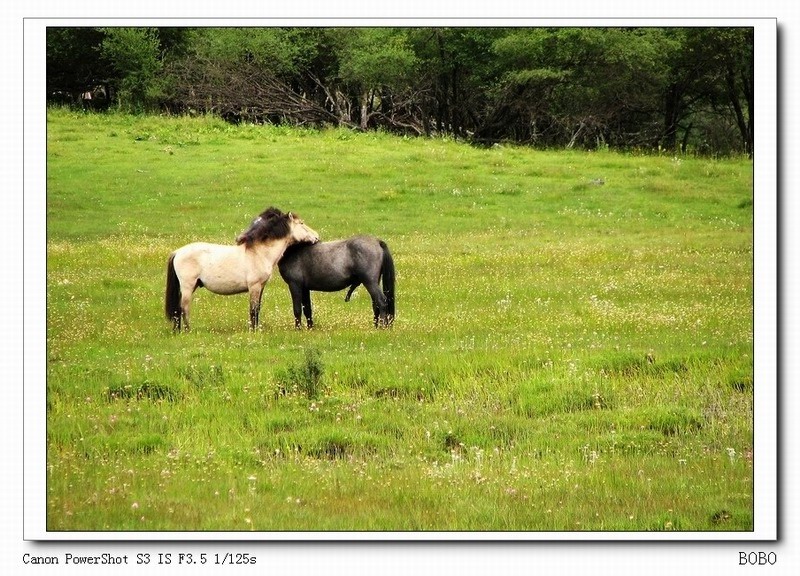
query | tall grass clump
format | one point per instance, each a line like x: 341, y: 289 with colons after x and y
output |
x: 304, y: 376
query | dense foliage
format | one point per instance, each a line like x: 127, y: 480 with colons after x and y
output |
x: 688, y: 89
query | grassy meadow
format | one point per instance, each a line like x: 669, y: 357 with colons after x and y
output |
x: 573, y: 346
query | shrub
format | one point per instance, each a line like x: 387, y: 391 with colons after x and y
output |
x: 305, y: 376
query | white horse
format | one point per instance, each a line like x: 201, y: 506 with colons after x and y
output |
x: 244, y: 267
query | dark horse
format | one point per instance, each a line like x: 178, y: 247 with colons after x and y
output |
x: 333, y: 266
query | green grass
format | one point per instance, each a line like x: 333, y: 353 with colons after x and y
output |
x: 567, y: 355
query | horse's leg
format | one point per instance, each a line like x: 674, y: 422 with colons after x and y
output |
x: 350, y: 292
x: 296, y: 292
x: 307, y: 307
x: 176, y: 323
x: 255, y: 304
x: 378, y: 302
x: 176, y: 319
x: 186, y: 301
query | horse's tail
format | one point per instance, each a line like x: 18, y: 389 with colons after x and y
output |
x: 388, y: 274
x: 172, y: 298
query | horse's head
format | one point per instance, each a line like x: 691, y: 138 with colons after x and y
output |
x: 272, y: 224
x: 300, y: 232
x: 247, y: 235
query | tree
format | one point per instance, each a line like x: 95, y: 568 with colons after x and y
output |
x: 709, y: 85
x: 728, y: 85
x: 244, y: 75
x: 576, y: 86
x: 74, y: 63
x: 374, y: 64
x: 666, y: 88
x: 456, y: 67
x: 135, y: 57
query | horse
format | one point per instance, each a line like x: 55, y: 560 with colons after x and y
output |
x: 224, y: 269
x: 333, y: 266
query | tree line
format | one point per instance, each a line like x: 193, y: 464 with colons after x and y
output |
x: 684, y: 89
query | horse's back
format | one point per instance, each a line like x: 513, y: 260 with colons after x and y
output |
x: 366, y: 252
x: 322, y: 266
x: 332, y: 266
x: 220, y: 268
x: 352, y: 254
x: 205, y: 253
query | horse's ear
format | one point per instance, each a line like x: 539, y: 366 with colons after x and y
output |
x: 291, y: 216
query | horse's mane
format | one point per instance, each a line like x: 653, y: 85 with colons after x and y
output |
x: 271, y: 224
